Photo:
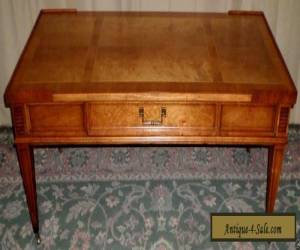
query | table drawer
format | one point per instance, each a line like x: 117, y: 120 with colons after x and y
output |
x: 56, y: 119
x: 247, y: 119
x: 132, y: 119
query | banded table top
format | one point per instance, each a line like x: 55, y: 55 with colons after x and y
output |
x: 82, y: 56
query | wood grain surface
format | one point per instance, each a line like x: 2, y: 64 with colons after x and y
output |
x: 140, y: 53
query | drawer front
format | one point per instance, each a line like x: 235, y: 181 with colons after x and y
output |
x: 247, y: 119
x: 136, y: 119
x: 55, y: 119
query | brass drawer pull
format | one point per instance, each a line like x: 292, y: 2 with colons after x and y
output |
x: 163, y: 113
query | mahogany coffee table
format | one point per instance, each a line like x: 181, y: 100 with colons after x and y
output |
x: 150, y: 78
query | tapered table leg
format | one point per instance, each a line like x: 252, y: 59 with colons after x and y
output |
x: 26, y: 163
x: 275, y: 159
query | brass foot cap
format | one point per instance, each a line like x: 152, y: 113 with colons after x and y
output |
x: 38, y: 239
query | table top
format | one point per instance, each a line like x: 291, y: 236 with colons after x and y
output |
x: 79, y: 56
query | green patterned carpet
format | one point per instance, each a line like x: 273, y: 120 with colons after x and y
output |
x: 156, y: 198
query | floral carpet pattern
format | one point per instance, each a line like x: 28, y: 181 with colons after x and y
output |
x: 156, y: 198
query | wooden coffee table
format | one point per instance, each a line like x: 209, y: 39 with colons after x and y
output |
x: 150, y: 78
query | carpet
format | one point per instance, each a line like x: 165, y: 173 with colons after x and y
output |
x: 156, y: 198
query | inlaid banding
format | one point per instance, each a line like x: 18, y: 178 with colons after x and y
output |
x: 283, y: 120
x: 19, y: 120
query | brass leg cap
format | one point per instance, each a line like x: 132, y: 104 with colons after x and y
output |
x: 38, y: 239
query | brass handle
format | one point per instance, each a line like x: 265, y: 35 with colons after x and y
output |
x: 163, y: 113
